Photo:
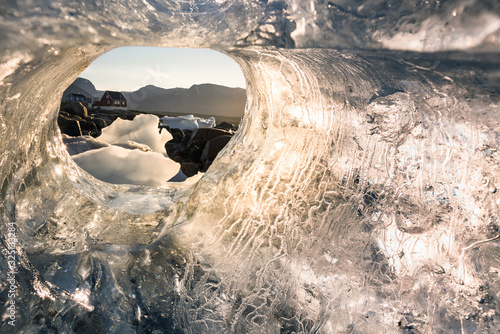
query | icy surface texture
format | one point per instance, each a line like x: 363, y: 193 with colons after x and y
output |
x: 358, y: 196
x: 188, y: 122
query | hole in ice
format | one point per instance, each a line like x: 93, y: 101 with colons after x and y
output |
x: 148, y: 116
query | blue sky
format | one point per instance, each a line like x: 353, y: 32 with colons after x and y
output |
x: 130, y: 68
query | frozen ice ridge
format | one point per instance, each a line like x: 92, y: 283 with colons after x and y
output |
x: 359, y: 195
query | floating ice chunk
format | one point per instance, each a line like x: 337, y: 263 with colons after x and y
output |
x: 143, y: 129
x: 118, y: 165
x: 132, y: 145
x: 188, y: 122
x: 77, y: 145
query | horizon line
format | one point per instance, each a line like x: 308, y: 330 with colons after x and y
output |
x: 130, y: 91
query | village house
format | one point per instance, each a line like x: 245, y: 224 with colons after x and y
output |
x: 73, y: 97
x: 111, y: 99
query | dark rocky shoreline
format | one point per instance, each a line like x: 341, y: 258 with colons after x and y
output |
x: 75, y: 120
x: 196, y: 150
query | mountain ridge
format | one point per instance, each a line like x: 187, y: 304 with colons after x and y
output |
x: 200, y: 99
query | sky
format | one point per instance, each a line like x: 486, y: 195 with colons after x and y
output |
x: 130, y: 68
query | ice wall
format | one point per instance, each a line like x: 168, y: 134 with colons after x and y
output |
x: 359, y: 195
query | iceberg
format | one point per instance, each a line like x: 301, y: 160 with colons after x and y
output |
x: 143, y: 129
x: 359, y: 195
x: 187, y: 122
x: 127, y: 152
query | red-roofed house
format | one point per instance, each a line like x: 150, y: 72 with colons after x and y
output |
x: 111, y: 99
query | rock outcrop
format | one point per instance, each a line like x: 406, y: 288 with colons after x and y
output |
x: 69, y: 124
x: 75, y: 108
x: 226, y: 126
x: 214, y: 146
x: 196, y: 150
x: 75, y: 120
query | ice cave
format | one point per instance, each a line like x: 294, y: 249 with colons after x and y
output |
x: 360, y: 194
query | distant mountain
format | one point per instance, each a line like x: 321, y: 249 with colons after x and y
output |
x: 204, y: 99
x: 84, y: 87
